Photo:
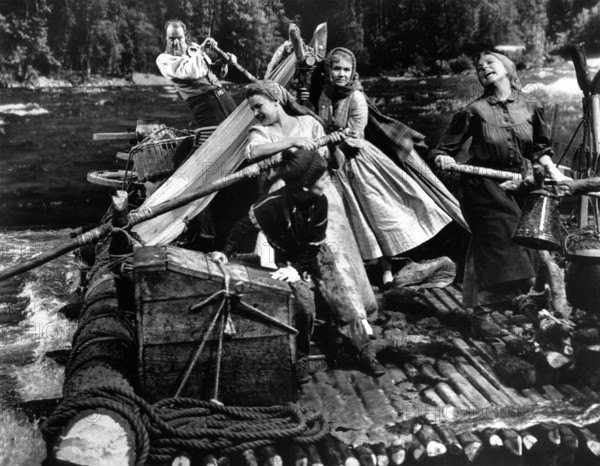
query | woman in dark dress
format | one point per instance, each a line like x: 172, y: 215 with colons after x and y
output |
x: 507, y: 128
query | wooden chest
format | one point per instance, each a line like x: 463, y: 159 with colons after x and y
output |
x: 258, y: 360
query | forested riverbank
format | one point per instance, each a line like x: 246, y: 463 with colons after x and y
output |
x: 75, y: 39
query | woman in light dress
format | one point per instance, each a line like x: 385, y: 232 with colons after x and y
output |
x: 389, y: 211
x: 283, y: 124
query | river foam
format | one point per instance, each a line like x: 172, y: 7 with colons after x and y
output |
x: 29, y: 109
x: 27, y: 374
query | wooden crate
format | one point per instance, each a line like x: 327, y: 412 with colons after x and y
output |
x: 257, y: 366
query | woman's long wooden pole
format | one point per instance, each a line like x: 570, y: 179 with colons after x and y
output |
x: 587, y: 186
x: 485, y: 172
x: 142, y: 215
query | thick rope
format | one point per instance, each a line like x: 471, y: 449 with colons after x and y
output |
x: 163, y: 429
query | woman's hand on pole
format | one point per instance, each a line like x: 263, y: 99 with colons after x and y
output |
x: 313, y: 146
x: 337, y: 137
x: 303, y: 143
x: 510, y: 185
x: 218, y: 256
x: 551, y: 169
x: 444, y: 162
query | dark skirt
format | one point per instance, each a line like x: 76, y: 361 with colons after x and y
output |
x: 493, y: 215
x: 211, y: 108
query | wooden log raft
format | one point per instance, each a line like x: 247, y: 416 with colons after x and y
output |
x: 589, y: 442
x: 491, y: 438
x: 104, y: 349
x: 397, y: 453
x: 365, y: 455
x: 268, y: 456
x: 462, y: 385
x: 430, y: 440
x: 381, y: 457
x: 472, y: 446
x: 529, y: 440
x: 248, y: 458
x: 314, y: 459
x: 512, y: 441
x: 329, y: 452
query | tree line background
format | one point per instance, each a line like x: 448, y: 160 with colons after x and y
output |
x: 117, y: 37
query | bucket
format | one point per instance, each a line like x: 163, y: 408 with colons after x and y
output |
x: 583, y: 275
x: 539, y: 225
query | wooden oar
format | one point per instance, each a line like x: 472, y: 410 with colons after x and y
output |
x: 485, y: 172
x: 139, y: 216
x: 122, y: 136
x: 143, y: 214
x: 587, y: 186
x: 296, y: 39
x: 227, y: 57
x: 581, y: 69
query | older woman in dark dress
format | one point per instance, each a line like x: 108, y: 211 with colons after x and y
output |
x: 507, y: 128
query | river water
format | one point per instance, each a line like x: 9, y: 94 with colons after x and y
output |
x: 47, y: 151
x: 30, y: 326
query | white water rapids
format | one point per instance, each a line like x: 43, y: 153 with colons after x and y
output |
x: 29, y: 327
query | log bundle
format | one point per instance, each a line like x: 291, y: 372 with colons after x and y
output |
x: 447, y: 410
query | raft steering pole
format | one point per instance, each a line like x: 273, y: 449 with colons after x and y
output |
x: 146, y: 213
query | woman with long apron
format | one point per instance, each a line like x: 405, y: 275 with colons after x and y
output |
x: 507, y: 128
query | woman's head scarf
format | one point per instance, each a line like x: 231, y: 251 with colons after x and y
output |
x: 339, y: 92
x: 270, y: 89
x: 277, y: 93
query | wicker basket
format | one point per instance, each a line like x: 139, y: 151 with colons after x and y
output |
x: 153, y: 157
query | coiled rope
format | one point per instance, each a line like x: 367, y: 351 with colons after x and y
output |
x: 170, y: 426
x: 164, y: 429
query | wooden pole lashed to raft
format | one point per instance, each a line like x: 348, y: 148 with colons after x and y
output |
x: 141, y: 215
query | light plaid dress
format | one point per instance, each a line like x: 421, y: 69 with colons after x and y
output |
x: 388, y: 210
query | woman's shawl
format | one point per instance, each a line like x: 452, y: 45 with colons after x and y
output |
x: 392, y: 137
x: 397, y: 141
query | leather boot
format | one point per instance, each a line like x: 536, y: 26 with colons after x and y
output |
x: 541, y: 298
x: 302, y: 372
x: 531, y: 303
x: 369, y: 363
x: 483, y: 326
